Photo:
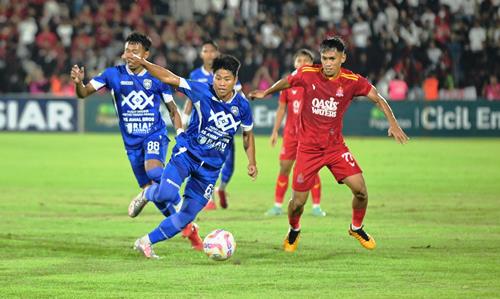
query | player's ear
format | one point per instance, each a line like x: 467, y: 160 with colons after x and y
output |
x: 344, y: 57
x: 146, y: 54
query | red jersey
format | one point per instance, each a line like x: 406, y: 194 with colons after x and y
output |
x: 292, y: 98
x: 324, y: 103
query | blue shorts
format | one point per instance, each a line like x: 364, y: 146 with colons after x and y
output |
x: 154, y: 147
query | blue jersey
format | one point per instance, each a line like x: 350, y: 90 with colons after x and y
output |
x: 137, y: 100
x: 213, y: 122
x: 204, y: 76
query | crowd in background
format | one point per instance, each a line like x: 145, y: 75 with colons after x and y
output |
x: 413, y: 49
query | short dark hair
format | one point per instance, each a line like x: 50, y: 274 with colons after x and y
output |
x: 304, y: 52
x: 139, y: 38
x: 332, y: 43
x: 227, y: 62
x: 211, y: 42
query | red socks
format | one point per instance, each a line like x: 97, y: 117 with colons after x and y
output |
x: 294, y: 221
x: 281, y: 186
x: 357, y: 217
x: 316, y: 191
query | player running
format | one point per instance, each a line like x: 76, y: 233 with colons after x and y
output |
x: 328, y: 91
x: 209, y: 51
x: 290, y: 101
x: 200, y: 152
x: 137, y: 98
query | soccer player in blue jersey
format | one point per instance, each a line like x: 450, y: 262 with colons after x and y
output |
x: 209, y: 51
x: 200, y: 152
x: 137, y: 97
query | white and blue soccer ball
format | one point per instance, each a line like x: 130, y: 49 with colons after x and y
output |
x: 219, y: 245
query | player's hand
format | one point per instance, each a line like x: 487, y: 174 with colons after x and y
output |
x: 77, y: 74
x: 256, y: 94
x: 252, y: 171
x: 398, y: 134
x: 274, y: 138
x: 132, y: 58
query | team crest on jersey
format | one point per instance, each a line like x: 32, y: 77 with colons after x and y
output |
x: 235, y: 111
x: 147, y: 83
x: 340, y: 92
x: 300, y: 178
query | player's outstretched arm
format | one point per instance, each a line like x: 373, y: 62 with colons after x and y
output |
x: 394, y: 128
x: 157, y: 71
x: 278, y: 86
x: 249, y: 146
x: 280, y: 114
x: 188, y: 108
x: 77, y: 75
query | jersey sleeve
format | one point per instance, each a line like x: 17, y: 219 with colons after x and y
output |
x: 362, y: 86
x: 166, y: 93
x: 192, y: 89
x: 296, y: 78
x: 246, y: 117
x: 103, y: 79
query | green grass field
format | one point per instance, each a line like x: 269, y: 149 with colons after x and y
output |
x: 434, y: 210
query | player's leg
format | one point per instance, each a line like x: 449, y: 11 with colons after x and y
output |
x: 136, y: 158
x: 226, y: 174
x: 316, y: 198
x: 281, y: 187
x: 346, y: 170
x: 307, y: 165
x: 198, y: 191
x: 155, y: 148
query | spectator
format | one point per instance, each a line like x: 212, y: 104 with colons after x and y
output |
x: 492, y: 90
x: 431, y: 88
x: 398, y: 89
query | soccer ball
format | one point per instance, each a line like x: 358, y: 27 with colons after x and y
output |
x: 219, y: 245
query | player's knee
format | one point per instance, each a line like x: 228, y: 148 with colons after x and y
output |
x: 296, y: 203
x: 155, y: 174
x: 168, y: 192
x: 361, y: 194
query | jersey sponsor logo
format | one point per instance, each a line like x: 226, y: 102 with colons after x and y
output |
x: 147, y: 83
x: 349, y: 158
x: 326, y: 108
x: 138, y: 128
x: 208, y: 192
x: 223, y: 121
x: 340, y: 92
x: 126, y: 83
x: 294, y: 92
x: 202, y: 80
x: 235, y: 111
x: 138, y: 100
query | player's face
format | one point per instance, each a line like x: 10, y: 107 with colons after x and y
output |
x: 137, y: 49
x: 332, y: 61
x: 224, y: 82
x: 302, y: 60
x: 208, y: 54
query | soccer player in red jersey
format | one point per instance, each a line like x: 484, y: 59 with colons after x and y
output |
x: 290, y: 102
x: 328, y: 91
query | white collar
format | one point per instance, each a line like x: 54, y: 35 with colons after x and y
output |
x: 129, y: 71
x: 215, y: 98
x: 205, y: 72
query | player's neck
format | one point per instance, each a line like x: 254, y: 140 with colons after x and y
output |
x: 138, y: 70
x: 331, y: 75
x: 207, y: 69
x: 228, y: 96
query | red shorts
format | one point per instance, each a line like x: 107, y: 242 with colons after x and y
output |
x: 311, y: 159
x: 289, y: 148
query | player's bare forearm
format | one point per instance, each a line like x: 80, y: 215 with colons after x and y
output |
x: 175, y: 117
x: 83, y: 91
x: 394, y: 128
x: 161, y: 73
x: 280, y: 114
x: 249, y: 145
x: 278, y: 86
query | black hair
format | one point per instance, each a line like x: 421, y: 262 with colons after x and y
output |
x: 332, y: 43
x: 304, y: 52
x: 227, y: 62
x: 139, y: 38
x: 211, y: 42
